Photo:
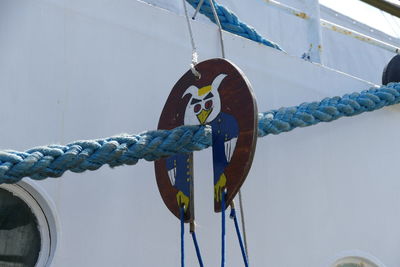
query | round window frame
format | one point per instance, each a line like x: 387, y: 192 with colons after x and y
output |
x: 355, y: 254
x: 44, y: 211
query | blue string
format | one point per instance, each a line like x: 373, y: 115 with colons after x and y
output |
x: 233, y: 216
x: 223, y: 229
x: 182, y: 213
x: 196, y: 246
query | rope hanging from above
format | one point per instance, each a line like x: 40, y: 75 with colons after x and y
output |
x: 231, y: 23
x: 53, y: 160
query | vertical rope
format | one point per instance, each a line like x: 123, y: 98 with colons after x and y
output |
x: 242, y: 248
x: 241, y: 208
x: 182, y: 213
x: 194, y: 49
x: 197, y: 9
x: 223, y: 229
x: 219, y: 27
x: 196, y: 246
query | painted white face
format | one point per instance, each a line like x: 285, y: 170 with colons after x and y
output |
x: 204, y: 104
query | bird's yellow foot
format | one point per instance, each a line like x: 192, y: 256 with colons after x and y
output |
x: 219, y: 187
x: 183, y: 200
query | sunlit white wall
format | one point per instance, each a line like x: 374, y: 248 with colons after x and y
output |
x: 74, y: 70
x: 292, y: 33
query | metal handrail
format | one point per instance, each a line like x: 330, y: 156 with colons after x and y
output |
x: 337, y: 28
x: 359, y: 36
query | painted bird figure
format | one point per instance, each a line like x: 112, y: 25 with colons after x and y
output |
x: 204, y: 107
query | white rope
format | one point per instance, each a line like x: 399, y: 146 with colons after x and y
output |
x: 198, y: 9
x: 219, y: 27
x: 194, y: 49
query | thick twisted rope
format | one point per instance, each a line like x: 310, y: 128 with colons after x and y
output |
x: 53, y: 160
x: 329, y: 109
x: 231, y: 23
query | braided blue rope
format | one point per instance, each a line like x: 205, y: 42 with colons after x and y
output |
x: 182, y: 213
x: 329, y: 109
x: 223, y: 204
x: 53, y: 160
x: 231, y: 23
x: 196, y: 246
x: 243, y: 250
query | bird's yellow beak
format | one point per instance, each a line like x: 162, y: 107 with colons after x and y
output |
x: 203, y: 115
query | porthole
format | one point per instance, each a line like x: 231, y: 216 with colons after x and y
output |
x: 354, y: 262
x: 25, y: 234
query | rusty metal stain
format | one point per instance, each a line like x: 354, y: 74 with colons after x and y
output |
x: 361, y: 37
x: 336, y: 29
x: 301, y: 15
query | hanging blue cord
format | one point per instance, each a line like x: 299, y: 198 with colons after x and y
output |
x: 233, y: 216
x: 182, y: 213
x: 196, y: 246
x: 223, y: 228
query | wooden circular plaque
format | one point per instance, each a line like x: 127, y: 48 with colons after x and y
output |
x: 223, y: 99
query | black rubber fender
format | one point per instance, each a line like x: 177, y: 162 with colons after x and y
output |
x: 391, y: 73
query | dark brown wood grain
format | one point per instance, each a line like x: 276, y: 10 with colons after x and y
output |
x: 237, y: 99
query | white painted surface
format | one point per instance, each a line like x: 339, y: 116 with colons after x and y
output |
x: 314, y: 35
x: 85, y: 69
x: 293, y: 34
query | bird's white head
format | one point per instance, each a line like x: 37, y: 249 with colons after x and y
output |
x: 204, y: 104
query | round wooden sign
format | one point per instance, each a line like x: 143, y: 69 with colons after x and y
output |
x: 223, y: 99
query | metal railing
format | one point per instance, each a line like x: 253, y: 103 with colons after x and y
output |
x: 334, y: 27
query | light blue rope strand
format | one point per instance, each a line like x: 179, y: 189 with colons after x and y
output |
x: 53, y: 160
x: 182, y: 213
x: 233, y: 216
x: 231, y: 23
x: 196, y: 246
x: 223, y: 204
x: 329, y: 109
